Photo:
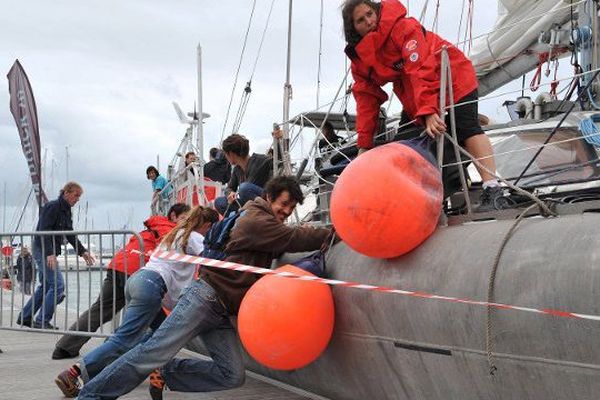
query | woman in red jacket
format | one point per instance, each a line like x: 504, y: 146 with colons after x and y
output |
x: 385, y: 46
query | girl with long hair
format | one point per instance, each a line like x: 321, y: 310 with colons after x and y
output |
x: 157, y: 284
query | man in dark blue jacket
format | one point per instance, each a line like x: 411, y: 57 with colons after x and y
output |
x: 55, y: 216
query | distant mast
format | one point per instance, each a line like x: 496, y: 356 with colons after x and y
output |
x: 287, y: 95
x: 200, y: 116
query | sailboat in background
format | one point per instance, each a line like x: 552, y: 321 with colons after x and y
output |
x: 494, y: 305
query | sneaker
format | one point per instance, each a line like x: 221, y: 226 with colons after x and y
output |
x: 68, y: 382
x: 157, y: 385
x: 60, y: 354
x: 44, y: 325
x: 489, y: 199
x: 24, y: 322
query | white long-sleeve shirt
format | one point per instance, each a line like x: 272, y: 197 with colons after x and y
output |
x: 176, y: 274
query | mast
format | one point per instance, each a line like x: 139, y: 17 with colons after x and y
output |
x: 586, y: 38
x: 200, y: 116
x: 4, y: 210
x: 67, y: 163
x: 287, y: 95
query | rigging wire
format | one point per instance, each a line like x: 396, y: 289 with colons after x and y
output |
x: 469, y: 27
x: 245, y: 99
x: 320, y: 54
x: 434, y: 27
x: 423, y: 12
x: 460, y: 21
x: 238, y: 68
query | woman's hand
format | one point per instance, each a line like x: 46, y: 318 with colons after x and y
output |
x: 434, y: 125
x: 231, y: 197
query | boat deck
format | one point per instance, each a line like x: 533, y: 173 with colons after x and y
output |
x: 28, y: 373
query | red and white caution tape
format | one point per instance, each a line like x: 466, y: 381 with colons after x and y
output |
x: 174, y: 256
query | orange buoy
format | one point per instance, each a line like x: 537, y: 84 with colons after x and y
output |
x: 387, y: 201
x: 285, y: 323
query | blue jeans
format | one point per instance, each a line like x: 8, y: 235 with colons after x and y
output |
x: 199, y: 312
x: 49, y: 293
x: 246, y: 192
x: 143, y: 292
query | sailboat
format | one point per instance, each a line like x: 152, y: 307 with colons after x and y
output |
x: 503, y: 304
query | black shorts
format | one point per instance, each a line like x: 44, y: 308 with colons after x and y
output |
x: 467, y: 119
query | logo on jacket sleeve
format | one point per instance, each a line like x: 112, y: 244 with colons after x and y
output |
x: 411, y: 45
x: 413, y: 57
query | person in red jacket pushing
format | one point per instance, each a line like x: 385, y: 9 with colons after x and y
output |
x: 384, y: 45
x: 123, y: 265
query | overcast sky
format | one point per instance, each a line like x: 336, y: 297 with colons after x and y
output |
x: 104, y: 74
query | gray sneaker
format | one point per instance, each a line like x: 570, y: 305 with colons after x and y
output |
x: 491, y: 199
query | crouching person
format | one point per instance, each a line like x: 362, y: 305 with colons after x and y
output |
x: 206, y: 305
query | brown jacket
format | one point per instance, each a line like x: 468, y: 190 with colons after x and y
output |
x: 256, y: 239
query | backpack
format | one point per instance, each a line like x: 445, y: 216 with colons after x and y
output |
x: 218, y: 235
x: 313, y: 263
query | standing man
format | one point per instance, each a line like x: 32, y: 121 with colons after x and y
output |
x: 122, y: 266
x: 24, y: 269
x: 205, y: 306
x: 249, y: 176
x: 55, y: 216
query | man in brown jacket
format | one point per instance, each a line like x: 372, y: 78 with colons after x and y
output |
x: 258, y: 237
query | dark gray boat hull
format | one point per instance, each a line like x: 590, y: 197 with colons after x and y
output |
x: 388, y: 346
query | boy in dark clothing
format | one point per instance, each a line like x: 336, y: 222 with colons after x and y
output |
x: 250, y: 173
x: 218, y: 168
x: 205, y: 307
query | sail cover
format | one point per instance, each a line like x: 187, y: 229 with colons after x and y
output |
x: 517, y: 27
x: 22, y: 107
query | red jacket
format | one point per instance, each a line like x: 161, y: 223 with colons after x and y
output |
x: 157, y: 227
x: 402, y: 52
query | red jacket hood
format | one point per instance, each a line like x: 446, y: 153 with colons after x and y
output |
x: 391, y: 11
x: 160, y: 224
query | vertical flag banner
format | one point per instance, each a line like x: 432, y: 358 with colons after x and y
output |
x: 22, y: 107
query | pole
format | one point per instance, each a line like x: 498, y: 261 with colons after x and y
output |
x: 4, y: 210
x: 67, y: 163
x: 287, y: 95
x: 200, y: 131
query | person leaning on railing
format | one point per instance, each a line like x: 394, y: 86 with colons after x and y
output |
x: 161, y: 189
x: 124, y: 264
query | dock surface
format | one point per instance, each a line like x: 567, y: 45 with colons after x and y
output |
x: 27, y: 373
